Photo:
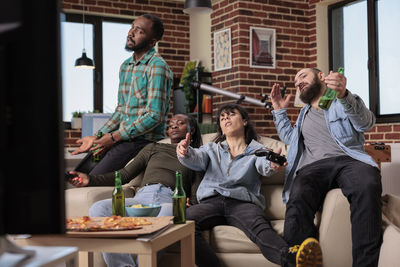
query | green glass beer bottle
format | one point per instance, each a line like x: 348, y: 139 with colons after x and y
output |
x: 118, y: 197
x: 328, y: 96
x: 179, y: 201
x: 97, y: 157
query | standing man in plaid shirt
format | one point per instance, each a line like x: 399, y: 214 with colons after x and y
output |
x: 145, y: 82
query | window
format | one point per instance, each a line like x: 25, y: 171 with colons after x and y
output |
x: 114, y: 36
x: 364, y: 39
x: 77, y: 84
x: 90, y: 90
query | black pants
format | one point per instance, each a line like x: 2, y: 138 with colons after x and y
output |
x: 359, y: 182
x: 246, y: 216
x: 118, y: 156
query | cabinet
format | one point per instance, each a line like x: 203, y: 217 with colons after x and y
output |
x: 179, y: 97
x: 203, y: 77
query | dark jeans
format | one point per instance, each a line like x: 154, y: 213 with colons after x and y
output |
x: 246, y: 216
x: 118, y: 156
x: 359, y: 182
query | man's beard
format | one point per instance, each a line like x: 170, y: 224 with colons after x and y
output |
x: 312, y: 92
x: 138, y: 47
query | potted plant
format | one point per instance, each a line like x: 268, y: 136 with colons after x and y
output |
x: 76, y: 121
x: 190, y: 94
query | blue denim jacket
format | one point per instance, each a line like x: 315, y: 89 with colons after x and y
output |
x: 347, y: 120
x: 237, y: 178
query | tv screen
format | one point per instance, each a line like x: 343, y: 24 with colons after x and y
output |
x: 31, y: 136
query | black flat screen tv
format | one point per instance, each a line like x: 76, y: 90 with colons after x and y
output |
x: 31, y: 127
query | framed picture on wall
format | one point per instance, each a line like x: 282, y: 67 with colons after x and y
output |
x: 262, y: 48
x: 222, y: 50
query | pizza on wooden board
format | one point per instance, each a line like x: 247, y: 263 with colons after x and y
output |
x: 113, y: 223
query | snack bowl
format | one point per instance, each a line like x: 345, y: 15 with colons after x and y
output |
x: 143, y: 210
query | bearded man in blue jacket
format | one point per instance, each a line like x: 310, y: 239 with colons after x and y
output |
x: 327, y: 151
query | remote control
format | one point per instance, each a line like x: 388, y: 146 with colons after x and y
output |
x: 271, y: 156
x: 69, y: 176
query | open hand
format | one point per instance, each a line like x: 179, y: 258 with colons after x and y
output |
x: 86, y: 143
x: 181, y: 148
x: 276, y: 98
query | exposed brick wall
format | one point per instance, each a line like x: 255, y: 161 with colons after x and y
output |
x: 384, y: 132
x: 295, y: 25
x: 71, y: 136
x: 174, y: 46
x: 290, y: 21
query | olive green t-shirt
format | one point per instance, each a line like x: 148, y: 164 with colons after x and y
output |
x: 159, y: 163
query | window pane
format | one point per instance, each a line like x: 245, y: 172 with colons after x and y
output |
x: 77, y: 84
x: 356, y: 49
x: 350, y: 46
x: 389, y: 57
x: 114, y: 53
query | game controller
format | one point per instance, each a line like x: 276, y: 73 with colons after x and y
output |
x: 271, y: 156
x: 68, y: 176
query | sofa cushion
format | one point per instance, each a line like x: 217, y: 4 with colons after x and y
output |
x: 275, y: 179
x: 80, y: 199
x: 274, y: 206
x: 273, y: 144
x: 335, y: 230
x: 225, y: 238
x: 206, y: 138
x: 389, y: 254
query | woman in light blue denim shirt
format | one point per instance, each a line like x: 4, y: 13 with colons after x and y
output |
x: 229, y: 193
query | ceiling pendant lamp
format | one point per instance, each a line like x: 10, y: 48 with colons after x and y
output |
x: 84, y: 62
x: 197, y: 7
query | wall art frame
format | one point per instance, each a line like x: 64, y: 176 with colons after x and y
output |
x: 262, y: 48
x: 222, y: 50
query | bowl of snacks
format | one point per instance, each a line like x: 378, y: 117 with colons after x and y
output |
x: 143, y: 210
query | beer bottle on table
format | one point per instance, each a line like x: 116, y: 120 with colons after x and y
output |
x: 118, y: 197
x: 97, y: 157
x: 328, y: 96
x: 179, y: 201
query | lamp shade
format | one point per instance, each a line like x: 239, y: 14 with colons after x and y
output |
x: 197, y: 6
x: 84, y: 62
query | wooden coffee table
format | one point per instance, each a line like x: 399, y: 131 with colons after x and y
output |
x: 146, y: 250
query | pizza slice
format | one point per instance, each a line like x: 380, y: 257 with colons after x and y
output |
x: 112, y: 223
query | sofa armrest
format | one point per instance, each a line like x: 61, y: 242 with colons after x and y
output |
x: 335, y: 230
x: 79, y: 200
x: 389, y: 255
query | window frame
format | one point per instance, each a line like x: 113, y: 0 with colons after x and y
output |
x: 97, y: 22
x: 373, y: 57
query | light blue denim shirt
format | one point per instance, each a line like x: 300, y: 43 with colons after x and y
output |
x: 347, y: 120
x: 237, y: 178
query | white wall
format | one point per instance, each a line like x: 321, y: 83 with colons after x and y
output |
x: 200, y: 39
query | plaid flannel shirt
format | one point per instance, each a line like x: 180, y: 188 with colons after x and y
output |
x: 143, y: 98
